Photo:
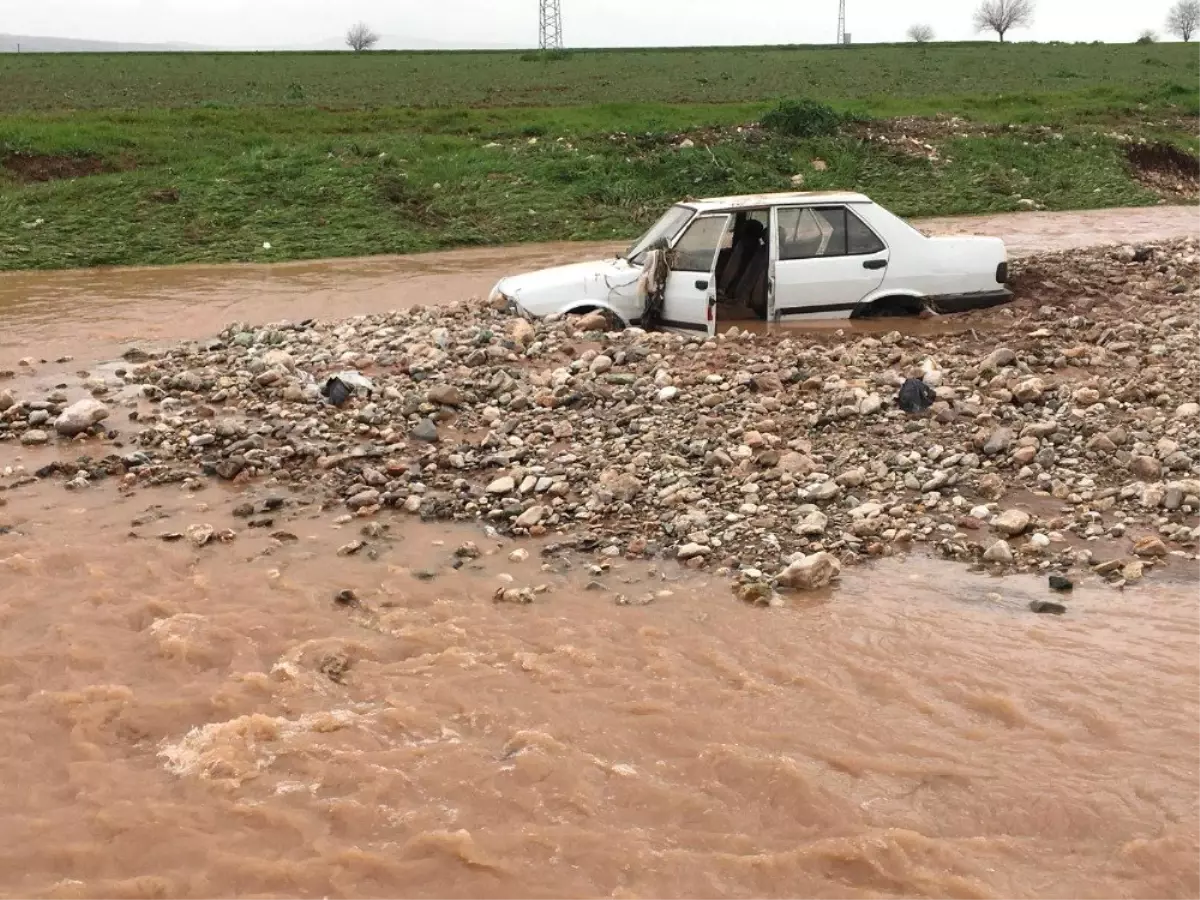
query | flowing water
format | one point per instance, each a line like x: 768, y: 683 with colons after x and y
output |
x: 210, y: 721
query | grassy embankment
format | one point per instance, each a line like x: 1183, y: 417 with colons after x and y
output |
x: 187, y: 157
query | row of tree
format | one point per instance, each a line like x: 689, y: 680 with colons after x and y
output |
x: 1001, y: 15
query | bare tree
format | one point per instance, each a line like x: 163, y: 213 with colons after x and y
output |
x: 361, y: 37
x: 1001, y: 15
x: 922, y: 34
x: 1147, y: 37
x: 1184, y: 18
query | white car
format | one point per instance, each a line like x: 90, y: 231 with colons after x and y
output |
x: 777, y: 258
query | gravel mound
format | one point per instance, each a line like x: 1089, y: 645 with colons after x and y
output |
x: 1066, y: 418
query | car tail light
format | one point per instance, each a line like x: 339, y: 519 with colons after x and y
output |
x: 1002, y: 273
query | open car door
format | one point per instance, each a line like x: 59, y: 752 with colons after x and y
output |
x: 690, y: 298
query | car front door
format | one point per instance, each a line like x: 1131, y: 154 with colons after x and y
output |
x: 689, y: 301
x: 826, y: 260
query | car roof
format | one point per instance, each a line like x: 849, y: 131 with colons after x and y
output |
x: 789, y: 198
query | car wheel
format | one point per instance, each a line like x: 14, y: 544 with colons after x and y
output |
x: 611, y: 319
x: 889, y: 308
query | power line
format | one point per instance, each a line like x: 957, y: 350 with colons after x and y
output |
x: 550, y: 24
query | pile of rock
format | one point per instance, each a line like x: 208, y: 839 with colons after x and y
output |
x: 74, y: 420
x: 1066, y: 418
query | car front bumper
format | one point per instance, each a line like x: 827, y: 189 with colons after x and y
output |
x: 516, y: 309
x: 500, y: 300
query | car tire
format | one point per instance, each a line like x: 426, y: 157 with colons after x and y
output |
x: 616, y: 323
x: 889, y: 308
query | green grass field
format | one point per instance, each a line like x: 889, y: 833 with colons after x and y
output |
x: 204, y: 157
x: 504, y: 79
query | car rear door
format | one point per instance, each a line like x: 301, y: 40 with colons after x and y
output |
x: 689, y: 301
x: 826, y: 260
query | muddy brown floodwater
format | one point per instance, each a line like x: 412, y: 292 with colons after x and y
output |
x: 210, y: 722
x: 194, y: 722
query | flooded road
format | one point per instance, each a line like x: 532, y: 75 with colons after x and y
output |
x: 333, y: 706
x: 1047, y: 232
x: 117, y: 306
x: 49, y: 310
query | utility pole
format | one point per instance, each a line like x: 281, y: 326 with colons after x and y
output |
x: 550, y: 24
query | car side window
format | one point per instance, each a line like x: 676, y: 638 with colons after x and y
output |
x: 860, y: 239
x: 804, y: 234
x: 697, y: 249
x: 812, y: 233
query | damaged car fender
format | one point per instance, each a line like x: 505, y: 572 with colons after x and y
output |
x: 610, y: 285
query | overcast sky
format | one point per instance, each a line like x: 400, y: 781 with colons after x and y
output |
x: 265, y: 23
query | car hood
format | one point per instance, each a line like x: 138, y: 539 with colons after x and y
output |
x: 586, y: 280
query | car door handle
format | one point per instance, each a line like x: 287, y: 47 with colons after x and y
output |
x: 875, y: 264
x: 701, y: 284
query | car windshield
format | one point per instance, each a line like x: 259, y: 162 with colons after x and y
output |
x: 665, y: 229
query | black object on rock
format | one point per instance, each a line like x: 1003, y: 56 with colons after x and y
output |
x: 1061, y: 583
x: 338, y: 388
x: 336, y: 391
x: 915, y: 396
